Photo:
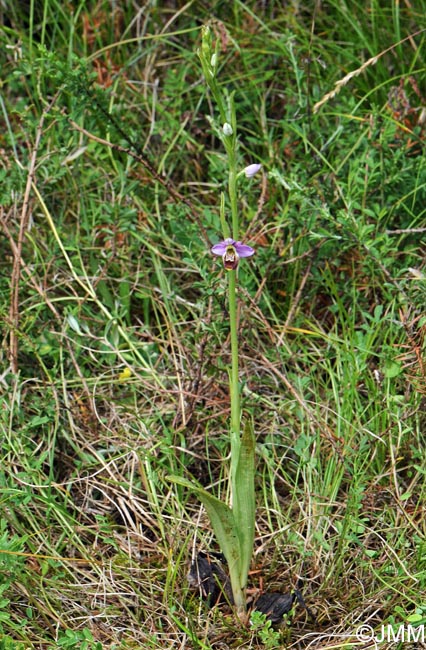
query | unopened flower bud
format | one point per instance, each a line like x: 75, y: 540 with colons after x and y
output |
x: 227, y: 129
x: 213, y: 61
x: 251, y: 170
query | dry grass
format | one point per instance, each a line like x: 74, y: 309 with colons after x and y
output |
x: 115, y: 337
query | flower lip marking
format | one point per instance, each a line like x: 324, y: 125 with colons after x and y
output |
x: 231, y: 251
x: 230, y: 258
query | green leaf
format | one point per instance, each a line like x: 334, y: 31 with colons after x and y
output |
x: 244, y: 503
x: 415, y: 618
x: 223, y: 522
x: 392, y: 369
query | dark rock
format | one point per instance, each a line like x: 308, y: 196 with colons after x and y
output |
x: 275, y: 605
x: 208, y: 576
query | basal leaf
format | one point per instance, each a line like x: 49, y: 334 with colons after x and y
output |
x: 223, y: 522
x: 244, y: 503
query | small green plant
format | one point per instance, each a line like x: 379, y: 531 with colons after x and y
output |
x: 261, y: 626
x: 81, y: 639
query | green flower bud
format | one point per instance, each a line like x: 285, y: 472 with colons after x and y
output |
x: 206, y: 41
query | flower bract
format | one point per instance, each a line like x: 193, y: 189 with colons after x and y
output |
x: 231, y: 251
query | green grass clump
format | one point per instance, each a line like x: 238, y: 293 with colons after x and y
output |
x: 114, y: 319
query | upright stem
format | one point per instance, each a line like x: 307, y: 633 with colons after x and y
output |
x: 238, y: 585
x: 234, y: 379
x: 232, y: 185
x: 231, y: 150
x: 233, y: 315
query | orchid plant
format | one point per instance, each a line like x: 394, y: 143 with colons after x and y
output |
x: 234, y: 522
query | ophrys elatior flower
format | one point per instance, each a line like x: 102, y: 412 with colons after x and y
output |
x: 231, y: 251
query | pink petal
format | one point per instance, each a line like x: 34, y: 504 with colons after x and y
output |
x: 220, y: 248
x: 243, y: 250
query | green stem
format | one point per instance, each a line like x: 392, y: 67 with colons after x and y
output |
x: 233, y: 315
x: 234, y: 379
x: 240, y: 605
x: 232, y: 180
x: 232, y: 186
x: 238, y: 586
